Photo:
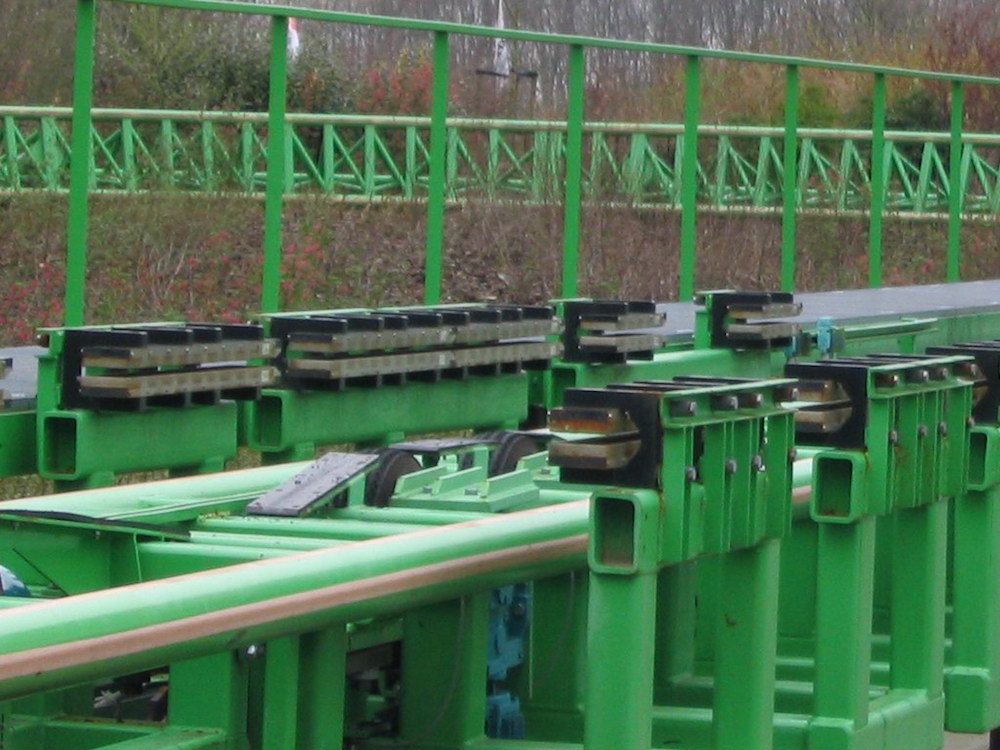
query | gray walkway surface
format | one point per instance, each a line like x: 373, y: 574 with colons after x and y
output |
x: 869, y: 305
x: 966, y: 742
x: 20, y: 383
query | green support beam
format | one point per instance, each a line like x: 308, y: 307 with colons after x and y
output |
x: 276, y: 156
x: 83, y: 98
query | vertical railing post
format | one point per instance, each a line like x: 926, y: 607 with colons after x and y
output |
x: 877, y: 185
x: 573, y: 195
x: 79, y: 180
x: 274, y: 195
x: 689, y: 177
x: 955, y: 187
x: 789, y: 186
x: 436, y: 184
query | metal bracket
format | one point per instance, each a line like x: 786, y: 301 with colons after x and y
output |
x: 747, y: 320
x: 606, y: 331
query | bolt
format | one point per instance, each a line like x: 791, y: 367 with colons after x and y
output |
x: 691, y: 474
x: 728, y: 403
x: 893, y: 437
x: 922, y: 431
x: 758, y: 463
x: 731, y: 466
x: 970, y: 422
x: 252, y: 652
x: 792, y: 455
x: 942, y: 429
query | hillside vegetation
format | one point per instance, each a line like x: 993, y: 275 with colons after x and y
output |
x: 180, y: 256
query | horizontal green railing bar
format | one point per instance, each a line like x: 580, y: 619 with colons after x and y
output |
x: 414, y: 24
x: 113, y: 114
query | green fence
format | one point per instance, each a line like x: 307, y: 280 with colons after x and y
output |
x: 685, y: 177
x: 374, y: 158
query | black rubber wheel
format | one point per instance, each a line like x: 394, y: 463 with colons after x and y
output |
x: 510, y: 448
x: 382, y: 481
x: 995, y: 739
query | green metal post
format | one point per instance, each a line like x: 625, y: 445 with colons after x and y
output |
x: 746, y: 642
x: 281, y: 694
x: 843, y: 630
x: 574, y: 169
x: 321, y: 703
x: 443, y: 700
x: 689, y: 177
x: 789, y: 186
x: 974, y: 660
x: 955, y: 182
x: 676, y: 616
x: 436, y: 187
x: 210, y: 692
x: 620, y: 657
x: 877, y: 183
x: 79, y: 182
x: 918, y: 588
x: 275, y: 192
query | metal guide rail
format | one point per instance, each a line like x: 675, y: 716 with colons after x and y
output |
x: 607, y: 331
x: 136, y: 367
x: 332, y: 350
x: 749, y: 320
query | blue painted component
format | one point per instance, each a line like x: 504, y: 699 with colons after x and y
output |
x: 11, y: 585
x: 510, y: 609
x: 504, y: 720
x: 825, y: 336
x: 509, y: 612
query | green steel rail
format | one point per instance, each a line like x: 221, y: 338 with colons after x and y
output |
x: 373, y: 158
x: 686, y: 175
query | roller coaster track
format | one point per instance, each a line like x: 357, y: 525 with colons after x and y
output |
x: 361, y: 158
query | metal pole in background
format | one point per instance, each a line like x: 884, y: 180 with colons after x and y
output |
x: 877, y: 183
x: 955, y: 191
x: 79, y: 179
x: 789, y: 186
x: 275, y: 191
x: 573, y: 197
x: 437, y: 188
x: 689, y: 177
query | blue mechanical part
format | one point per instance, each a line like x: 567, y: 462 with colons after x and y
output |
x: 510, y: 609
x: 11, y: 585
x: 504, y: 720
x: 825, y: 336
x: 509, y: 612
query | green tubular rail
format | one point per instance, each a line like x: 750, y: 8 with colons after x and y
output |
x: 685, y: 174
x: 376, y: 158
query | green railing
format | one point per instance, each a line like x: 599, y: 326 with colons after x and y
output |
x: 686, y: 177
x: 353, y: 157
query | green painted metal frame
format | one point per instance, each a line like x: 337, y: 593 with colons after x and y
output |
x: 80, y: 187
x: 356, y: 158
x: 173, y: 528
